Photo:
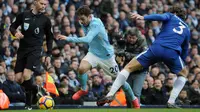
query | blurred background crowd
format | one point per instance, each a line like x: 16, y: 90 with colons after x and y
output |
x: 124, y: 34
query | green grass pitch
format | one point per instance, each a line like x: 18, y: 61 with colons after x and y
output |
x: 109, y: 110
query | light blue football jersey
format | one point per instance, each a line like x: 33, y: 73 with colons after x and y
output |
x: 97, y: 39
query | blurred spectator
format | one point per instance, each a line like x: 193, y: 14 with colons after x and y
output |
x: 157, y: 94
x: 95, y: 8
x: 190, y: 79
x: 7, y: 57
x: 183, y: 98
x: 13, y: 90
x: 97, y: 86
x: 76, y: 3
x: 194, y: 92
x: 65, y: 96
x: 150, y: 82
x: 120, y: 99
x: 193, y: 17
x: 2, y: 74
x: 150, y: 37
x: 73, y: 82
x: 14, y: 13
x: 123, y: 23
x: 107, y: 79
x: 144, y: 99
x: 169, y: 86
x: 154, y: 71
x: 140, y: 24
x: 106, y: 7
x: 161, y: 76
x: 142, y: 9
x: 59, y: 67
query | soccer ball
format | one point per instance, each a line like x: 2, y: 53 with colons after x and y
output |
x: 46, y: 102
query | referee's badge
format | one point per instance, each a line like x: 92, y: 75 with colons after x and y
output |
x: 26, y: 26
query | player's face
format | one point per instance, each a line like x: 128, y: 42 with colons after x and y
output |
x: 41, y: 5
x: 84, y: 20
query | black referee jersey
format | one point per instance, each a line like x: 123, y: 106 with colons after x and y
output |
x: 33, y: 27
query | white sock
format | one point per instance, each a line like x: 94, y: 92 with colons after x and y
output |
x: 119, y: 81
x: 178, y: 86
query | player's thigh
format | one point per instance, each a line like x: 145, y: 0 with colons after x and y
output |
x: 109, y: 66
x: 177, y: 66
x: 88, y: 62
x: 33, y: 62
x: 143, y: 60
x: 20, y: 65
x: 84, y: 67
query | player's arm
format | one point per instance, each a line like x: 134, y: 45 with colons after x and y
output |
x: 157, y: 17
x: 49, y: 36
x: 15, y: 25
x: 86, y: 39
x: 151, y: 17
x: 185, y: 46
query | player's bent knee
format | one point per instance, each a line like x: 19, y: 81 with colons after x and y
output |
x: 18, y: 77
x: 27, y: 74
x: 82, y: 70
x: 183, y: 72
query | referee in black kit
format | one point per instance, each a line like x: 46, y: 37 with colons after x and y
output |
x: 34, y: 25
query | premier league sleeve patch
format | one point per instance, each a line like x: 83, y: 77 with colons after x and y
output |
x: 26, y: 26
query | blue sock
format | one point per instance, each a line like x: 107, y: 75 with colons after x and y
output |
x: 83, y: 80
x: 128, y: 91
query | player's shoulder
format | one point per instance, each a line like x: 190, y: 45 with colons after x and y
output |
x: 95, y: 22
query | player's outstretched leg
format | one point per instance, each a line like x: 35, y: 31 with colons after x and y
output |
x: 119, y: 81
x: 132, y: 66
x: 83, y: 91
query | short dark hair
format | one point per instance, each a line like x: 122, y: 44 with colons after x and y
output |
x: 84, y: 10
x: 180, y: 12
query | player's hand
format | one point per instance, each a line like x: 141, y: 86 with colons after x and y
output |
x: 19, y: 35
x: 136, y: 16
x: 61, y: 37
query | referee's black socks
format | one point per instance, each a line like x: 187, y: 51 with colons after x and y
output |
x: 29, y: 85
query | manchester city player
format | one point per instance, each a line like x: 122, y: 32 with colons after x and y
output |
x: 100, y: 53
x: 170, y: 47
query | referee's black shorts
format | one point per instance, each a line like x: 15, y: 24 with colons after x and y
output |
x: 29, y: 59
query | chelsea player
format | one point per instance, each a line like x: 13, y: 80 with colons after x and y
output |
x: 170, y: 47
x: 101, y: 53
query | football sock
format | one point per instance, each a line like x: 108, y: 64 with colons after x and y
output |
x: 28, y: 98
x: 83, y: 81
x: 178, y: 86
x: 29, y: 85
x: 128, y: 92
x: 119, y: 81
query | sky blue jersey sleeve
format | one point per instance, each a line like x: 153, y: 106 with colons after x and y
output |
x: 158, y: 17
x: 88, y: 38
